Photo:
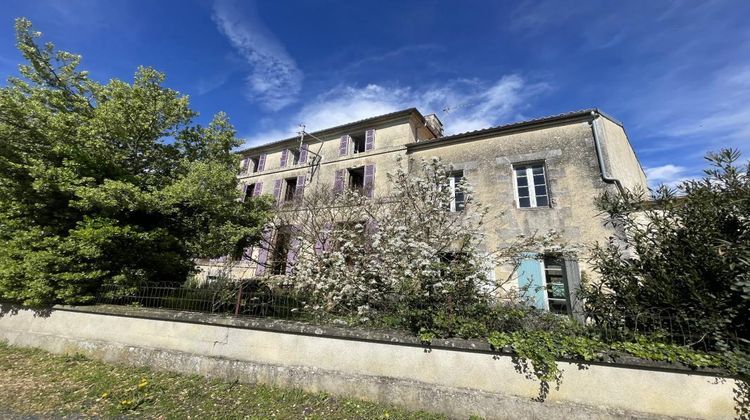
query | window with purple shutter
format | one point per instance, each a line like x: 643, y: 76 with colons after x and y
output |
x: 369, y: 184
x: 244, y: 165
x: 369, y: 139
x: 303, y: 154
x: 284, y: 157
x: 291, y: 256
x: 258, y: 190
x: 277, y: 189
x: 344, y: 146
x: 338, y: 183
x: 265, y: 245
x: 262, y: 162
x: 300, y: 188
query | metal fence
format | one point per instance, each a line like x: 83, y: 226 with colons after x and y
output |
x: 249, y: 299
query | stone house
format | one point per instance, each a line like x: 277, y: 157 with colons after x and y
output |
x: 540, y: 174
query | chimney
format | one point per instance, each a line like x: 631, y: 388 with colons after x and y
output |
x: 434, y: 124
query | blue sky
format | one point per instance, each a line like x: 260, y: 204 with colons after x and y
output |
x: 676, y: 73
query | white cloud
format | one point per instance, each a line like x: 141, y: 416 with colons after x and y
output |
x: 462, y: 105
x: 668, y: 174
x: 274, y: 80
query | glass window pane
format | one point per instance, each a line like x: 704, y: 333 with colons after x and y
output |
x: 540, y: 190
x: 524, y: 202
x: 537, y: 170
x: 520, y: 171
x: 542, y: 201
x: 523, y: 191
x: 522, y: 181
x: 539, y: 179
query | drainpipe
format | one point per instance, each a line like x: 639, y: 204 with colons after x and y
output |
x: 596, y: 128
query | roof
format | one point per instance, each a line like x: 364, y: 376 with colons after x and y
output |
x: 326, y: 131
x: 553, y: 119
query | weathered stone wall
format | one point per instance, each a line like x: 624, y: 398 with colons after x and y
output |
x: 456, y: 379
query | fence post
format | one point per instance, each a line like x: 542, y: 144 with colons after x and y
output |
x: 239, y: 300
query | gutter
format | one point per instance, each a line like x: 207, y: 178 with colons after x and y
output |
x: 596, y: 129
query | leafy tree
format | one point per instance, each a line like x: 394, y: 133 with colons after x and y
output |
x: 681, y: 265
x: 109, y: 182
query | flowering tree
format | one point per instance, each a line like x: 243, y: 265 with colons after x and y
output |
x: 405, y: 254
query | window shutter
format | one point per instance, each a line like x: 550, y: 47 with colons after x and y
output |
x: 344, y: 145
x: 369, y: 181
x: 338, y: 184
x: 277, y: 189
x: 294, y: 244
x: 258, y: 189
x: 244, y: 165
x: 369, y: 139
x: 265, y: 245
x: 262, y: 162
x: 303, y: 154
x: 530, y: 281
x: 300, y: 187
x: 244, y: 192
x: 284, y: 157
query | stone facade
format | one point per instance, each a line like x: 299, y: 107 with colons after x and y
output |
x: 582, y: 154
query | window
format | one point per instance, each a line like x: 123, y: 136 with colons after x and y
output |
x: 531, y: 186
x: 280, y: 250
x: 290, y: 190
x: 358, y: 143
x: 556, y: 287
x: 294, y: 156
x: 357, y: 179
x: 458, y: 198
x: 249, y: 188
x: 254, y: 164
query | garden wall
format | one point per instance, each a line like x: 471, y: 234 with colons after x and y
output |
x: 458, y: 378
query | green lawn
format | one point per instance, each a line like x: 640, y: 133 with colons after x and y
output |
x: 34, y: 382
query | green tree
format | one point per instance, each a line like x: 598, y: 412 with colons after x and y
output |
x: 109, y: 182
x: 681, y: 265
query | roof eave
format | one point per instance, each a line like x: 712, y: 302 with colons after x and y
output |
x: 328, y: 131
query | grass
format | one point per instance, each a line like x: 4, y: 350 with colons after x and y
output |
x: 37, y: 383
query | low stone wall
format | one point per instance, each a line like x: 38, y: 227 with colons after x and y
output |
x: 458, y: 378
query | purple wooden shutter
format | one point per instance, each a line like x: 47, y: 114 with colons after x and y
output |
x: 344, y: 145
x: 369, y: 180
x: 277, y: 189
x: 291, y: 256
x: 338, y: 183
x: 262, y: 162
x: 265, y: 245
x: 258, y: 189
x: 369, y: 139
x: 244, y: 192
x: 300, y: 187
x: 303, y: 154
x: 284, y: 157
x: 245, y: 165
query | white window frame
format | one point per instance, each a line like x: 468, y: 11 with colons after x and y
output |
x: 530, y: 184
x: 543, y: 265
x: 452, y: 188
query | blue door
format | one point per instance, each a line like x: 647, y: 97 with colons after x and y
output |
x: 530, y: 281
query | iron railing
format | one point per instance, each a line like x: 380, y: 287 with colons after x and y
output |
x: 248, y: 299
